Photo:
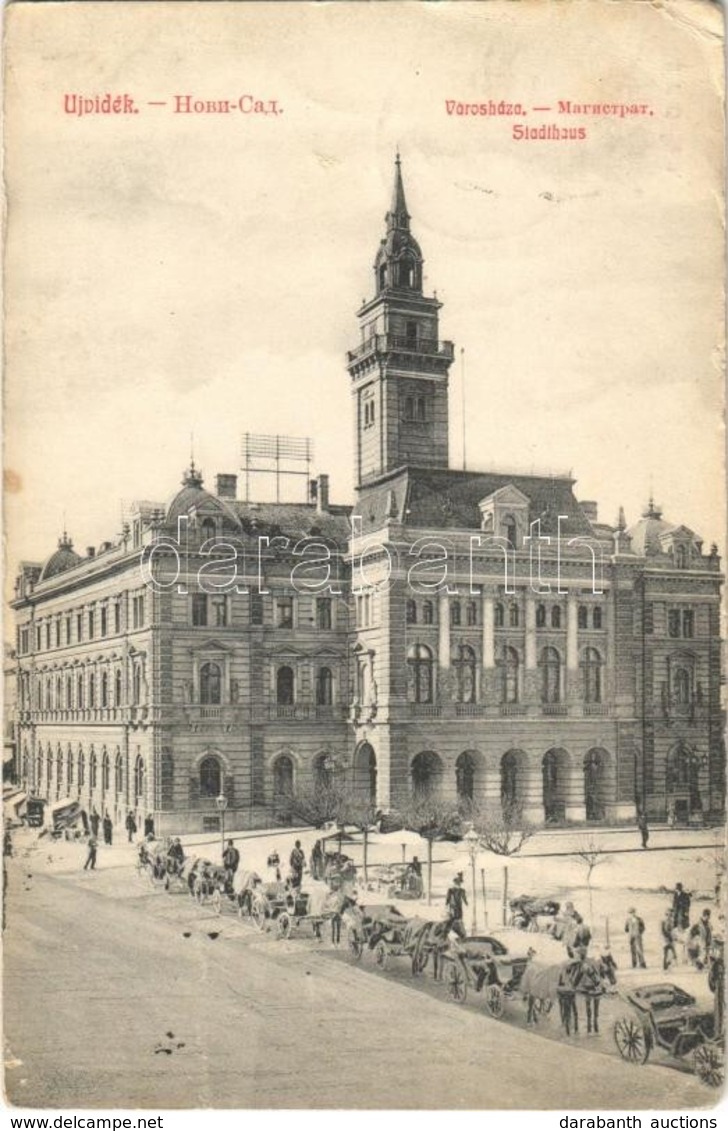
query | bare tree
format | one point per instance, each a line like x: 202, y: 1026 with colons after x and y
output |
x: 317, y: 806
x: 360, y: 813
x: 432, y: 819
x: 591, y: 855
x: 501, y: 828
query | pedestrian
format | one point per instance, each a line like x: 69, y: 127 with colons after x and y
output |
x: 681, y: 908
x: 108, y: 828
x: 317, y: 861
x: 84, y: 822
x: 716, y: 982
x: 230, y: 861
x: 643, y: 827
x: 701, y: 941
x: 668, y: 940
x: 7, y: 843
x: 274, y: 861
x: 92, y: 846
x: 149, y: 827
x: 455, y: 900
x: 131, y: 825
x: 297, y: 862
x: 95, y: 822
x: 635, y: 929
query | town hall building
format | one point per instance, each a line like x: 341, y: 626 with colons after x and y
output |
x: 471, y: 634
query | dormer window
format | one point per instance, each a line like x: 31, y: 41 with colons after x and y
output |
x: 406, y: 272
x: 510, y: 530
x: 681, y: 557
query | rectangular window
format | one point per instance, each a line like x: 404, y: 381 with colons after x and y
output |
x: 24, y: 641
x: 69, y: 628
x: 220, y: 607
x: 58, y: 632
x: 688, y: 623
x: 117, y: 617
x: 137, y: 610
x: 91, y: 624
x: 48, y: 635
x: 284, y: 612
x: 104, y: 617
x: 37, y: 638
x: 409, y: 408
x: 256, y: 608
x: 79, y: 626
x: 323, y: 612
x: 199, y: 610
x: 673, y: 622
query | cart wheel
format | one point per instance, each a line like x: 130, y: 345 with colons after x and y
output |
x: 494, y: 1001
x: 216, y: 900
x: 283, y: 925
x: 381, y: 956
x: 709, y: 1064
x: 356, y: 947
x: 457, y: 985
x: 259, y: 914
x: 632, y: 1040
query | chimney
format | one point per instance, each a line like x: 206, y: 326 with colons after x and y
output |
x: 226, y: 486
x: 590, y: 508
x: 104, y: 547
x: 90, y: 551
x: 322, y: 493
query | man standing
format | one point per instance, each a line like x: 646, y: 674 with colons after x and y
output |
x: 455, y: 901
x: 131, y: 826
x: 643, y: 827
x: 108, y: 828
x: 92, y: 845
x: 297, y: 861
x: 149, y: 827
x: 681, y: 908
x: 668, y: 941
x: 230, y: 861
x: 95, y: 822
x: 635, y: 929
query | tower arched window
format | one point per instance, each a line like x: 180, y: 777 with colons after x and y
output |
x: 406, y: 271
x: 210, y: 776
x: 591, y: 667
x: 419, y: 664
x: 79, y: 692
x: 105, y: 772
x: 555, y: 616
x: 540, y: 616
x: 118, y: 774
x: 92, y: 769
x: 284, y: 686
x: 139, y: 781
x: 513, y: 616
x: 455, y: 613
x: 117, y: 688
x: 550, y: 665
x: 465, y: 674
x: 210, y: 684
x: 104, y: 689
x: 498, y: 616
x: 428, y: 612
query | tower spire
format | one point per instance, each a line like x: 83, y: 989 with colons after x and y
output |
x: 398, y: 216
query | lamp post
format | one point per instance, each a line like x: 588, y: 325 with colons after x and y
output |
x: 221, y: 802
x: 472, y: 841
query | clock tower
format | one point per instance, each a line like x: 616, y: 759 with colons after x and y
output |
x: 399, y: 372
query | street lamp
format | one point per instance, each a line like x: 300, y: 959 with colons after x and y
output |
x: 221, y: 802
x: 472, y: 840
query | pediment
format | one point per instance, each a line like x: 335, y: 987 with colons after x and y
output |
x: 678, y: 534
x: 507, y: 496
x: 211, y: 646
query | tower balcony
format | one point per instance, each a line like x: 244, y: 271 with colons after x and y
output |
x: 397, y: 343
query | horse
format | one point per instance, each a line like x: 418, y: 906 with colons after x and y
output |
x: 590, y: 978
x: 244, y: 885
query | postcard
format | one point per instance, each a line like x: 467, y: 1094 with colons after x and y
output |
x: 365, y: 523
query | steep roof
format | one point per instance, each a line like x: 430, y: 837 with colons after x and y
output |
x: 436, y: 498
x: 65, y: 557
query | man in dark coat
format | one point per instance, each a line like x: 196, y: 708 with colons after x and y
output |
x: 131, y: 825
x: 91, y: 858
x: 108, y: 828
x: 230, y: 860
x: 643, y: 827
x: 149, y: 827
x: 455, y: 901
x: 681, y: 908
x: 297, y: 861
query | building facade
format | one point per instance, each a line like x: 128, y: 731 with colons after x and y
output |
x: 473, y: 634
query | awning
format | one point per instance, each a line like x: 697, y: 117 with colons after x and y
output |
x: 15, y: 803
x: 63, y: 814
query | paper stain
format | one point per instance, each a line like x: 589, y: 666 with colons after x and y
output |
x: 12, y: 481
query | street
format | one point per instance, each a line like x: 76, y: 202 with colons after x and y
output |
x: 118, y: 995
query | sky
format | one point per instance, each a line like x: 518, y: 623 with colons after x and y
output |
x: 169, y: 274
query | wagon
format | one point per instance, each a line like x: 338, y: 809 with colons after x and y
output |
x: 526, y: 911
x: 664, y: 1016
x: 483, y: 964
x: 268, y: 902
x: 206, y: 883
x: 383, y: 930
x: 366, y: 923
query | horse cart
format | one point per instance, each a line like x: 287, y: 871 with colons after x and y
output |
x: 532, y: 912
x: 382, y: 929
x: 664, y: 1016
x: 483, y: 964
